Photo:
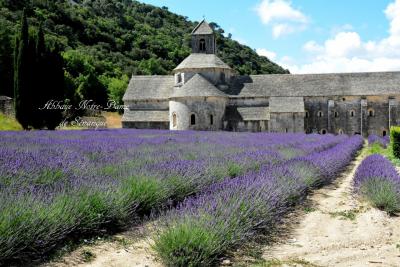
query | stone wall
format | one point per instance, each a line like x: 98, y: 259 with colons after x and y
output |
x: 202, y: 108
x: 6, y: 105
x: 350, y: 114
x: 286, y: 122
x: 146, y: 125
x: 209, y: 41
x: 245, y: 126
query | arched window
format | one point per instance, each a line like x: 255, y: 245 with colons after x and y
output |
x: 320, y: 114
x: 352, y: 113
x: 336, y: 114
x: 211, y: 119
x: 202, y: 45
x: 307, y: 114
x: 371, y: 113
x: 340, y: 131
x: 192, y: 119
x: 323, y: 131
x: 384, y: 133
x: 174, y: 120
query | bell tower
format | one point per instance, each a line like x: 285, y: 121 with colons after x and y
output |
x: 203, y: 39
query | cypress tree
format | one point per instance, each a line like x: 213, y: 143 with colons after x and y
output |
x: 39, y: 97
x: 21, y: 70
x: 55, y: 86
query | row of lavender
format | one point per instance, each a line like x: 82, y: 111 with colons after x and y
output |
x: 205, y: 226
x: 378, y: 182
x: 54, y: 185
x: 382, y: 141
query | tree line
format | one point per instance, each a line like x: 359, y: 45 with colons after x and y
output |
x: 104, y: 42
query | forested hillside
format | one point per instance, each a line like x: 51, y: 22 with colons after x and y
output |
x: 106, y: 41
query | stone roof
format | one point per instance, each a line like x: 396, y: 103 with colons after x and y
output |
x: 303, y: 85
x: 254, y: 113
x: 234, y: 113
x: 149, y: 87
x: 197, y: 86
x: 202, y: 61
x: 338, y: 84
x: 202, y: 28
x: 146, y: 115
x: 286, y: 104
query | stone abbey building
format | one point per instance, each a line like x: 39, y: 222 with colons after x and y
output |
x: 206, y: 94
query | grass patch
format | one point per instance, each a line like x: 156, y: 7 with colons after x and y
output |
x: 309, y: 209
x: 9, y: 124
x: 345, y: 215
x: 291, y: 262
x: 88, y: 256
x: 387, y: 152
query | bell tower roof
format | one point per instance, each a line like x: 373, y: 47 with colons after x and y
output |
x: 203, y: 28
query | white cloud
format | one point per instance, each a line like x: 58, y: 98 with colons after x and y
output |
x: 347, y: 52
x: 312, y: 47
x: 279, y: 10
x: 283, y: 18
x: 264, y: 52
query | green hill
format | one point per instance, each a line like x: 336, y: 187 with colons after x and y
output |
x: 113, y: 39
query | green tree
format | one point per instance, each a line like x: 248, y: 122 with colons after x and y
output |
x: 92, y: 89
x: 54, y: 87
x: 117, y: 88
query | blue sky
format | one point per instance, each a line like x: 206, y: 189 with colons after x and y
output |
x: 308, y: 36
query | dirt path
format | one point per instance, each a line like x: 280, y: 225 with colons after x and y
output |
x: 338, y: 230
x: 125, y: 250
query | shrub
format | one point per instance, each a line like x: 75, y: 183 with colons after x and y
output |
x: 395, y: 139
x: 378, y: 181
x: 381, y: 194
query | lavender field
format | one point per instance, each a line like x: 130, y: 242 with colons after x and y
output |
x: 214, y: 189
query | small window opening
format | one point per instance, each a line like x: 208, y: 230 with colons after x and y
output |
x: 336, y: 114
x: 193, y: 119
x: 344, y: 99
x: 352, y: 113
x: 211, y: 120
x: 323, y: 131
x: 222, y: 76
x: 202, y: 45
x: 384, y: 133
x: 307, y: 114
x: 340, y: 131
x: 286, y: 130
x: 371, y: 113
x: 320, y: 114
x: 174, y: 120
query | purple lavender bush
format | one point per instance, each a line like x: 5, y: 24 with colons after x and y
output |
x: 378, y: 182
x: 65, y: 184
x: 226, y: 214
x: 382, y: 141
